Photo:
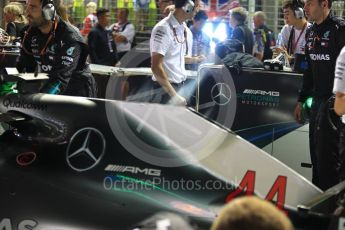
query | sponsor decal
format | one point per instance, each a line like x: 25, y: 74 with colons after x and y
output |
x: 320, y: 57
x: 65, y: 63
x: 67, y: 58
x: 158, y: 37
x: 324, y: 44
x: 51, y: 49
x: 22, y: 104
x: 221, y: 94
x: 259, y: 97
x: 247, y: 186
x: 326, y: 35
x: 85, y: 149
x: 26, y: 158
x: 132, y: 169
x: 46, y: 68
x: 70, y: 51
x: 7, y: 224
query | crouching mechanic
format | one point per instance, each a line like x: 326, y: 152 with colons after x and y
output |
x: 51, y: 45
x: 168, y: 46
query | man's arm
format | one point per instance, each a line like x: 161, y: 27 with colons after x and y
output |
x: 163, y: 80
x: 65, y: 63
x: 195, y: 59
x: 339, y: 104
x: 127, y: 35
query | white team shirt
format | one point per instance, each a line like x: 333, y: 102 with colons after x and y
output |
x: 300, y: 46
x: 173, y: 48
x: 339, y: 79
x: 189, y: 41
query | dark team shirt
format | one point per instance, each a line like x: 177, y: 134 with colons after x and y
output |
x: 102, y: 46
x: 323, y: 45
x: 64, y: 57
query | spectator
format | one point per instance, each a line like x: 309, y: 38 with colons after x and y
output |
x: 201, y: 42
x: 101, y: 43
x: 241, y: 32
x: 15, y: 20
x: 90, y: 20
x: 142, y: 13
x: 265, y: 36
x: 293, y: 33
x: 123, y: 32
x: 248, y: 213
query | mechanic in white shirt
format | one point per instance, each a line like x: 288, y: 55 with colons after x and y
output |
x: 339, y: 108
x: 339, y: 85
x: 168, y: 47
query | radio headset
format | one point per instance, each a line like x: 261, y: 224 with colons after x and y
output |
x: 49, y: 13
x: 48, y: 10
x: 188, y: 6
x: 298, y: 9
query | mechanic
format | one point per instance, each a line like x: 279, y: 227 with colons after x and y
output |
x: 55, y: 47
x: 324, y: 40
x: 339, y: 108
x: 168, y: 46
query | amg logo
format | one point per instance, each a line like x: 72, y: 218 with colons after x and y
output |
x: 131, y: 169
x: 320, y: 57
x: 261, y: 92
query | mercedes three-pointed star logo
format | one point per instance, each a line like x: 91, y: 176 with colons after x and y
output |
x: 85, y: 149
x: 221, y: 93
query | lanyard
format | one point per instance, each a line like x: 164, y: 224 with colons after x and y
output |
x: 294, y: 44
x: 43, y: 50
x: 184, y: 34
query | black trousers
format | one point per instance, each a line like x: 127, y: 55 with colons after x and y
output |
x: 324, y: 148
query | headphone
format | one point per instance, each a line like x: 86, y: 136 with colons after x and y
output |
x: 188, y: 6
x: 298, y: 9
x: 48, y: 10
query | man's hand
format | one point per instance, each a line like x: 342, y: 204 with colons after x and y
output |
x: 278, y: 50
x: 298, y: 113
x: 200, y: 58
x: 178, y: 100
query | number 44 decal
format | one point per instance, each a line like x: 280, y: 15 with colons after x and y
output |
x: 248, y: 185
